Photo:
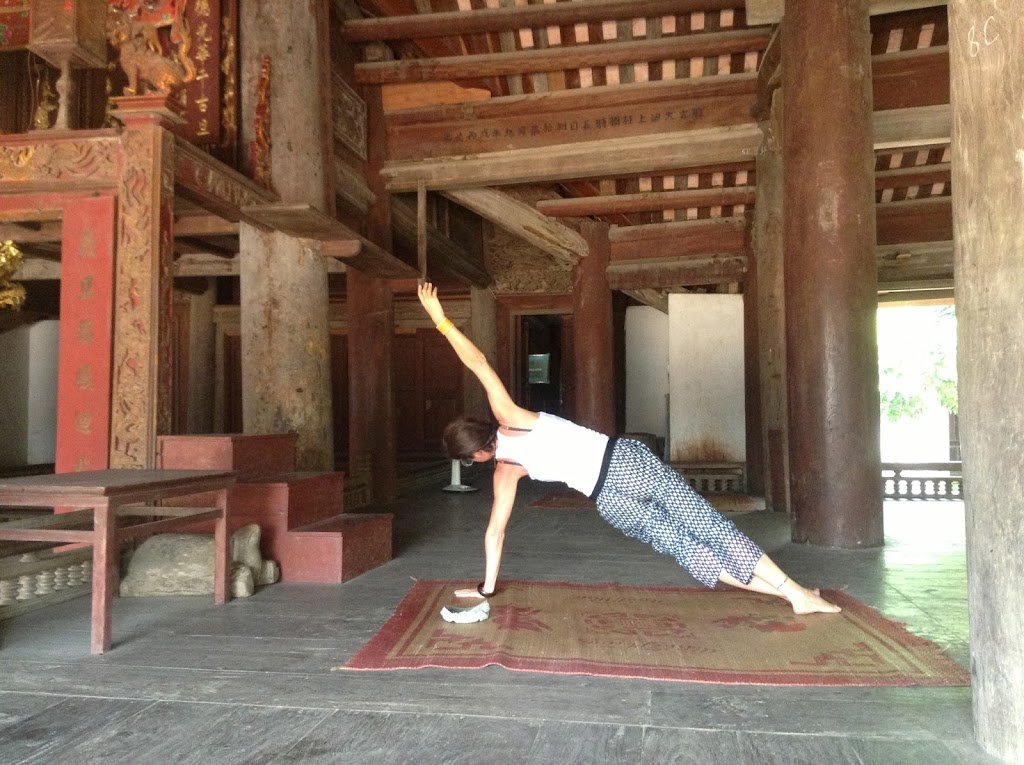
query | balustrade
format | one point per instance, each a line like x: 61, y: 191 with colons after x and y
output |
x: 923, y: 480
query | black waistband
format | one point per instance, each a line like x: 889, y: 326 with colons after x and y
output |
x: 605, y: 462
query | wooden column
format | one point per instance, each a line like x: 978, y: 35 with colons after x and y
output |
x: 771, y: 307
x: 371, y: 323
x: 484, y: 328
x: 829, y: 236
x: 987, y: 89
x: 592, y: 345
x: 286, y: 383
x: 202, y: 359
x: 371, y: 330
x: 755, y: 470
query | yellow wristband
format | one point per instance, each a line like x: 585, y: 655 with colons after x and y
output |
x: 445, y: 326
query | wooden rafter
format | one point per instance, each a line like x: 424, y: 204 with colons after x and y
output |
x: 917, y: 220
x: 562, y: 58
x: 428, y: 25
x: 910, y: 78
x: 904, y: 177
x: 679, y: 239
x: 772, y: 11
x: 649, y: 201
x: 616, y: 156
x: 556, y: 239
x: 672, y: 272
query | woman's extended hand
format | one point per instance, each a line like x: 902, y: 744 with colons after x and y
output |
x: 468, y: 593
x: 428, y: 297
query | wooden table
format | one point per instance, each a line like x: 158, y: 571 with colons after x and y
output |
x: 96, y: 502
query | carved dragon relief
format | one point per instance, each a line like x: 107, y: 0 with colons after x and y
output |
x: 92, y: 160
x: 141, y: 51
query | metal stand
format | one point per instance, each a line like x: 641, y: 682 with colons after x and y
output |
x: 456, y: 484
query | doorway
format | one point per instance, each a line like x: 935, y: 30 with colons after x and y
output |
x: 545, y: 348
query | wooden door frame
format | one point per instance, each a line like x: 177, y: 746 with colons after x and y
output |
x: 510, y: 310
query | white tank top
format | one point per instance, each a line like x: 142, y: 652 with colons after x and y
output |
x: 557, y: 450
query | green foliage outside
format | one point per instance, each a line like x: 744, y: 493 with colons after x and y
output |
x: 916, y: 360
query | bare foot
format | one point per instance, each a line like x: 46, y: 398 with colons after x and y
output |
x: 806, y: 601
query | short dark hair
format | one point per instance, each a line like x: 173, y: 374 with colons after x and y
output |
x: 465, y: 436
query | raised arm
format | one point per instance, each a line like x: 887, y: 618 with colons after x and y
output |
x: 505, y: 410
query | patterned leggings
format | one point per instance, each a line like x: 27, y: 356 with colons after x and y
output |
x: 647, y: 500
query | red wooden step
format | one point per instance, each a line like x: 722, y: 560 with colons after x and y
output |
x: 245, y: 453
x: 335, y: 549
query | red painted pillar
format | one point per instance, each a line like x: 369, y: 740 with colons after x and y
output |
x: 86, y: 334
x: 830, y: 277
x: 592, y: 344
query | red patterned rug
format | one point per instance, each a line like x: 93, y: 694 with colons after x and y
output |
x: 570, y: 499
x: 660, y: 633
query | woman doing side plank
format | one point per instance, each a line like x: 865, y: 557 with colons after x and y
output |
x: 635, y: 492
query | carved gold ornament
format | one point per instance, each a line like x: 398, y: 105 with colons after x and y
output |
x: 141, y: 53
x: 260, y: 147
x: 11, y: 295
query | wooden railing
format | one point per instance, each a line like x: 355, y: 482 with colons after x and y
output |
x: 922, y: 480
x: 713, y: 478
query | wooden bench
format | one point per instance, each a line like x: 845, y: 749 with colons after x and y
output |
x: 103, y: 508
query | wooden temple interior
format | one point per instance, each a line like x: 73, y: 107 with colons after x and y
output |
x: 223, y: 208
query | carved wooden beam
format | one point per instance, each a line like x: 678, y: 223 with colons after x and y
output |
x: 920, y: 126
x: 204, y: 225
x: 772, y: 11
x: 65, y: 161
x: 568, y: 116
x: 893, y: 128
x: 654, y: 298
x: 442, y: 252
x: 910, y: 78
x: 915, y: 262
x: 671, y: 273
x: 616, y: 156
x: 223, y: 247
x: 769, y: 76
x: 916, y: 220
x: 648, y: 201
x: 351, y: 187
x: 519, y: 218
x: 337, y: 239
x: 199, y: 264
x: 213, y: 185
x: 562, y: 58
x: 915, y: 271
x: 510, y: 19
x: 680, y: 239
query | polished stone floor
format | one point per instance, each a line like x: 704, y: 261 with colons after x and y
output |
x: 252, y: 682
